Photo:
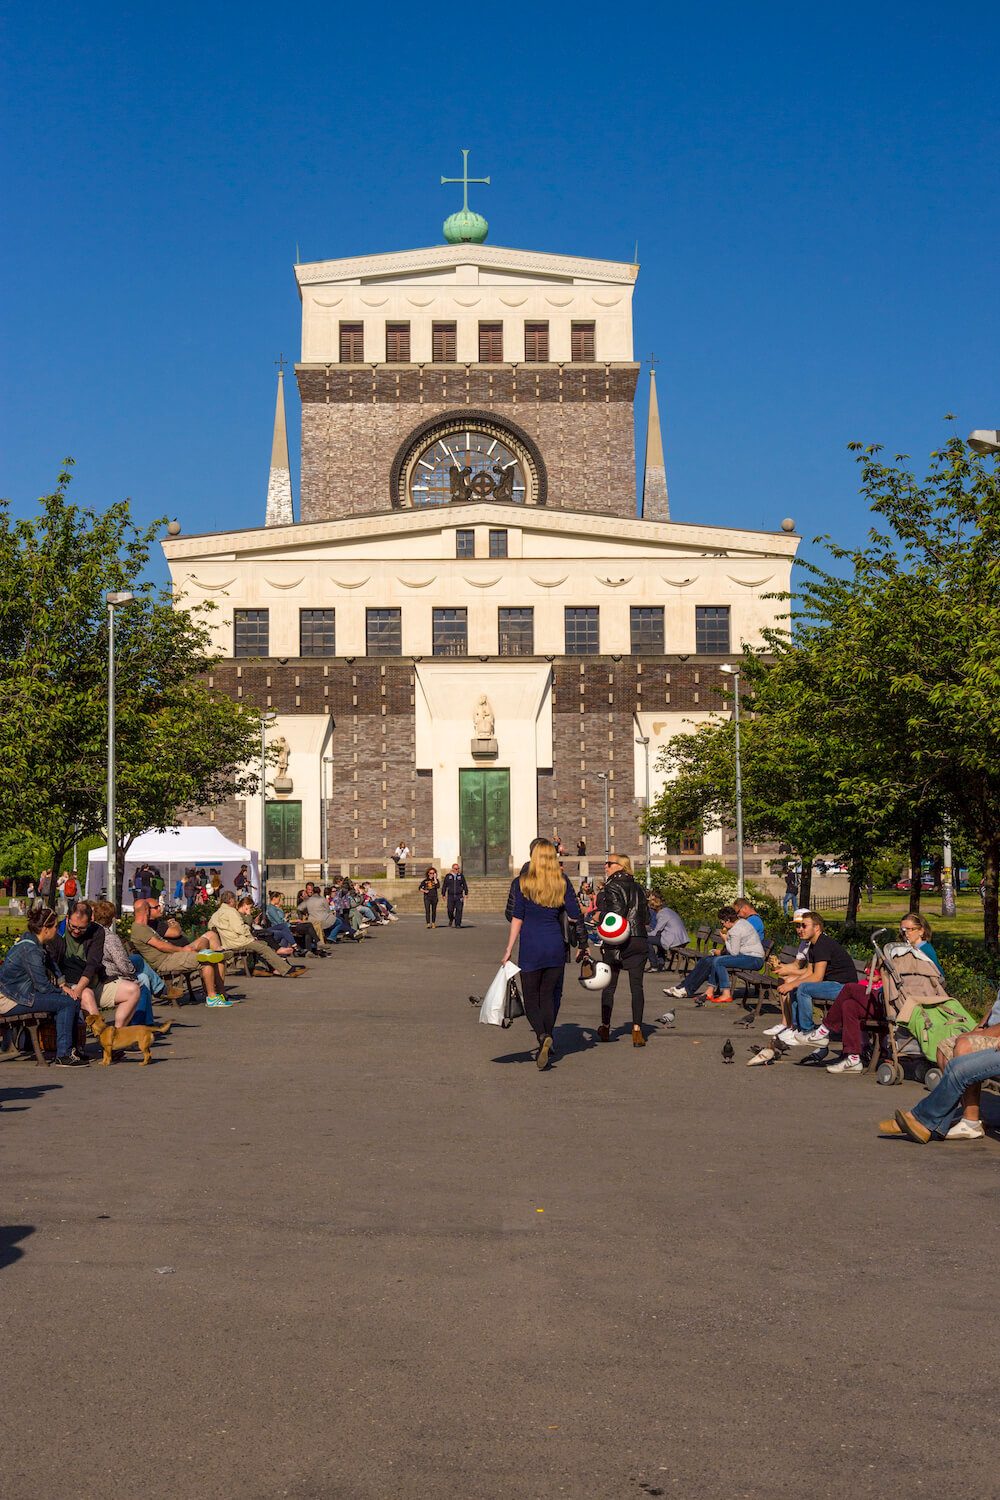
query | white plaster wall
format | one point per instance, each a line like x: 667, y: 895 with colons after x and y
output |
x: 308, y: 737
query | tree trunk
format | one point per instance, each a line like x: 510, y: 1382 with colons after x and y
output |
x: 916, y: 863
x: 855, y: 879
x: 991, y: 869
x: 805, y: 881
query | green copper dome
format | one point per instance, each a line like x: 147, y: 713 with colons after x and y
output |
x: 465, y: 228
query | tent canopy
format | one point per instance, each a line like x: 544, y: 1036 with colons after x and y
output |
x: 172, y: 851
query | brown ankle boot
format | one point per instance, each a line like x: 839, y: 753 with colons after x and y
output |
x: 638, y: 1040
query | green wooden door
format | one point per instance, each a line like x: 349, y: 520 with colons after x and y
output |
x: 484, y: 821
x: 284, y: 832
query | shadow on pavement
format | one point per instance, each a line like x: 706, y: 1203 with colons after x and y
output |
x: 9, y: 1236
x: 31, y: 1091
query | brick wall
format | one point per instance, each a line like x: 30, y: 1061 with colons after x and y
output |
x: 355, y: 420
x: 378, y: 795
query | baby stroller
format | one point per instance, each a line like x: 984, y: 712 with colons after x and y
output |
x: 914, y: 1014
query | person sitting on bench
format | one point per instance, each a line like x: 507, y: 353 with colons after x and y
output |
x: 29, y: 978
x: 170, y: 961
x: 950, y: 1112
x: 229, y: 931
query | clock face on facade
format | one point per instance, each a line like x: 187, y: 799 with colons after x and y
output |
x: 464, y: 465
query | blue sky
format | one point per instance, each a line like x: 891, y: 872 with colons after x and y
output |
x: 813, y: 192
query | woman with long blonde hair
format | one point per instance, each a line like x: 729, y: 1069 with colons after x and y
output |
x: 541, y: 896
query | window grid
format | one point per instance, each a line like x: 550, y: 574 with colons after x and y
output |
x: 384, y: 632
x: 465, y: 543
x: 444, y: 339
x: 397, y: 343
x: 490, y: 343
x: 711, y: 629
x: 536, y: 343
x: 647, y: 629
x: 582, y: 631
x: 498, y: 544
x: 352, y: 343
x: 517, y: 631
x: 317, y: 635
x: 450, y: 632
x: 582, y: 343
x: 250, y: 632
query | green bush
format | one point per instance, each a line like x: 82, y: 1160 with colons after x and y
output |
x: 698, y: 894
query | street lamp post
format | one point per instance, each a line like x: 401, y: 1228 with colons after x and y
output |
x: 113, y: 601
x: 324, y: 833
x: 603, y: 776
x: 643, y: 740
x: 734, y: 672
x: 266, y: 718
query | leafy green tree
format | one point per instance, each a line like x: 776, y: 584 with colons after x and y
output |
x: 178, y: 745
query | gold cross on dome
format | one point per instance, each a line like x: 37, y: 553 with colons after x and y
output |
x: 465, y: 179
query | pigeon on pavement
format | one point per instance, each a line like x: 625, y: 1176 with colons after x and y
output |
x: 669, y: 1018
x: 728, y: 1051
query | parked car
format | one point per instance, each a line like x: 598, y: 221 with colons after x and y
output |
x: 903, y: 884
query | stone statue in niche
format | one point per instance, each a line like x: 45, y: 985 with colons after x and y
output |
x: 484, y: 745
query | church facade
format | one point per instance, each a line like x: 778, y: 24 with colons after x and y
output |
x: 473, y: 633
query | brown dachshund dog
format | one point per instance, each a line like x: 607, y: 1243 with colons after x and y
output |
x: 118, y: 1038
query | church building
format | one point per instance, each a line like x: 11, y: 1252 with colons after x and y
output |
x: 475, y: 631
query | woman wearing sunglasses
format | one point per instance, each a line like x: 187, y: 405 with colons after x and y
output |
x: 623, y: 895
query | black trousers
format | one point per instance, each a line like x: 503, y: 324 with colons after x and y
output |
x: 430, y: 906
x: 455, y: 907
x: 632, y: 958
x: 538, y: 991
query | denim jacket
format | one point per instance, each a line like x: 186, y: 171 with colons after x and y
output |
x: 27, y: 971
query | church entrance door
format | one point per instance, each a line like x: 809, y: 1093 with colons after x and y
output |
x: 484, y: 821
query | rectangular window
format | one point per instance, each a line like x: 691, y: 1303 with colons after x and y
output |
x: 450, y: 636
x: 384, y: 632
x: 582, y: 343
x: 498, y: 544
x: 465, y: 543
x: 647, y: 629
x: 250, y: 632
x: 316, y: 633
x: 517, y: 632
x: 582, y: 631
x: 711, y: 629
x: 490, y: 343
x: 397, y: 343
x: 352, y: 343
x: 536, y: 343
x: 444, y: 338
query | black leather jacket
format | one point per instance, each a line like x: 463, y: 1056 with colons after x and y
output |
x: 624, y: 895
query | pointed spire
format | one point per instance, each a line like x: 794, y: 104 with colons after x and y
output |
x: 655, y: 500
x: 279, y: 482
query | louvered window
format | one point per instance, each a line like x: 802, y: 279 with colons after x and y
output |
x: 352, y: 343
x: 397, y: 343
x: 582, y: 343
x: 490, y: 343
x: 443, y: 343
x: 536, y: 343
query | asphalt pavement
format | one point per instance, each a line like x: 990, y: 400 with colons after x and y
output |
x: 343, y: 1242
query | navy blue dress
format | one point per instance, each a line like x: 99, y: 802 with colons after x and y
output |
x: 541, y: 944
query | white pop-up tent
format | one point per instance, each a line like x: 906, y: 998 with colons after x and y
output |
x: 172, y: 851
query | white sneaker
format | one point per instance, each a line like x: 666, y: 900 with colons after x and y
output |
x: 966, y: 1130
x: 846, y: 1065
x: 788, y: 1036
x: 818, y: 1037
x: 393, y: 917
x: 775, y: 1030
x: 800, y: 1039
x: 676, y: 993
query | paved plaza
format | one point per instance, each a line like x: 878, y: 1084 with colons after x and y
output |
x: 342, y: 1242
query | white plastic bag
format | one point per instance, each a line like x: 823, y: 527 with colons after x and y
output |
x: 491, y: 1012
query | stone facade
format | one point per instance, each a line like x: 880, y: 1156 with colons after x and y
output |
x: 356, y: 419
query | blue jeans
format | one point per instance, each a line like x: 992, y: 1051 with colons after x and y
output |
x: 939, y: 1110
x: 802, y: 1001
x: 65, y: 1008
x: 716, y: 969
x: 333, y: 932
x: 656, y: 959
x: 788, y: 903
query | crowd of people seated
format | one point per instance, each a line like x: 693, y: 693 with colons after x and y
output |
x: 81, y: 965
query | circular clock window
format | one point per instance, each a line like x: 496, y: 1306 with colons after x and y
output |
x: 465, y: 464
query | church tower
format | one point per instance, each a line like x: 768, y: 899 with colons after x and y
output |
x: 655, y: 501
x: 279, y: 480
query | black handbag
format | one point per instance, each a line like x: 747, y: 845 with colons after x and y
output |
x: 513, y: 1005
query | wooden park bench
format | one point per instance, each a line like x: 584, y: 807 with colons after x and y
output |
x: 41, y: 1028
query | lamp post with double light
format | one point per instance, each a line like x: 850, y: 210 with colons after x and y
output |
x: 113, y: 601
x: 734, y: 673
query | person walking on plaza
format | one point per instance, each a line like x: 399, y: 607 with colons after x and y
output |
x: 430, y: 889
x: 455, y: 889
x: 623, y: 895
x: 791, y: 895
x: 541, y: 895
